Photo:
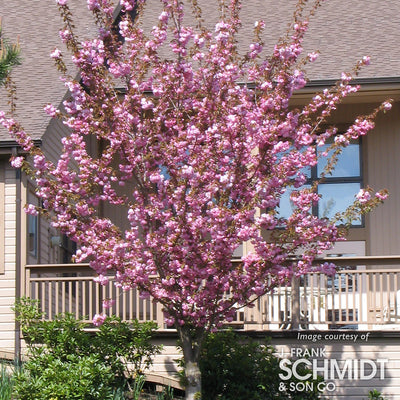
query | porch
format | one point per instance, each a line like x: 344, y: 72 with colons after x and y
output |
x: 364, y: 294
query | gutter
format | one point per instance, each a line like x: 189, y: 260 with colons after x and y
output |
x: 372, y: 90
x: 10, y: 146
x: 386, y: 80
x: 371, y: 84
x: 18, y: 238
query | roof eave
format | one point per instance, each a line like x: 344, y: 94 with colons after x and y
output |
x: 8, y: 146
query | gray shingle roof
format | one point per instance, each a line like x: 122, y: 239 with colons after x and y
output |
x: 343, y: 31
x: 37, y: 24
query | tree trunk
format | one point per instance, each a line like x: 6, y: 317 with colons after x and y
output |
x: 191, y: 345
x: 193, y: 376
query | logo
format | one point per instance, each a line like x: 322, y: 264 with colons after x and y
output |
x: 306, y: 365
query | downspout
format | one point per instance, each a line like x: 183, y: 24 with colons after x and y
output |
x: 18, y: 221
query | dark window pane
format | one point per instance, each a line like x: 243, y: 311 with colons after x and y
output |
x: 32, y: 234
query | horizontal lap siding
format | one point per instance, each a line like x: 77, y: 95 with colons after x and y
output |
x: 355, y: 389
x: 52, y: 147
x: 373, y: 349
x: 165, y: 363
x: 7, y: 278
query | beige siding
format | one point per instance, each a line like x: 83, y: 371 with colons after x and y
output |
x: 52, y: 147
x: 382, y: 170
x: 372, y: 349
x: 2, y: 217
x: 51, y: 140
x: 381, y: 158
x: 165, y: 363
x: 7, y: 279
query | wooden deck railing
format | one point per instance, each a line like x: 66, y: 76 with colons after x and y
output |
x: 363, y: 294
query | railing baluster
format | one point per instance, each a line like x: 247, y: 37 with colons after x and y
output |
x: 63, y: 297
x: 57, y: 297
x: 117, y: 305
x: 382, y: 300
x: 373, y: 294
x: 160, y: 316
x: 83, y: 302
x: 327, y: 297
x: 396, y: 298
x: 321, y: 300
x: 78, y: 312
x: 132, y: 301
x: 50, y: 312
x: 347, y: 297
x: 124, y: 305
x: 340, y: 299
x: 357, y: 297
x: 90, y: 298
x: 97, y: 297
x: 311, y: 306
x: 364, y: 297
x: 70, y: 305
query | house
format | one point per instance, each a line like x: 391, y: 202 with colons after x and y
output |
x: 25, y: 240
x: 366, y: 300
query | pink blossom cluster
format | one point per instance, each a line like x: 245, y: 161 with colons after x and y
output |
x: 363, y: 196
x: 99, y: 319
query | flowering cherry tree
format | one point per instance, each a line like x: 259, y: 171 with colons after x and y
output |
x: 197, y: 143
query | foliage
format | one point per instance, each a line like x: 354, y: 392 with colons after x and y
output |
x: 6, y: 381
x: 47, y: 376
x: 203, y: 136
x: 137, y: 387
x: 237, y: 367
x: 166, y: 394
x: 9, y: 56
x: 68, y: 361
x: 131, y: 342
x: 30, y: 317
x: 375, y: 395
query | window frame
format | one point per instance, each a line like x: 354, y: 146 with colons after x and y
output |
x: 332, y: 180
x: 32, y: 221
x: 314, y: 179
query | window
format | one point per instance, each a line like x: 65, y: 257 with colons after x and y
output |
x: 338, y: 189
x: 68, y: 250
x: 32, y: 227
x: 32, y: 235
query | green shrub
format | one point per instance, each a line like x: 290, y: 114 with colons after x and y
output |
x: 68, y: 362
x: 6, y: 381
x: 49, y: 377
x: 235, y: 367
x: 375, y: 395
